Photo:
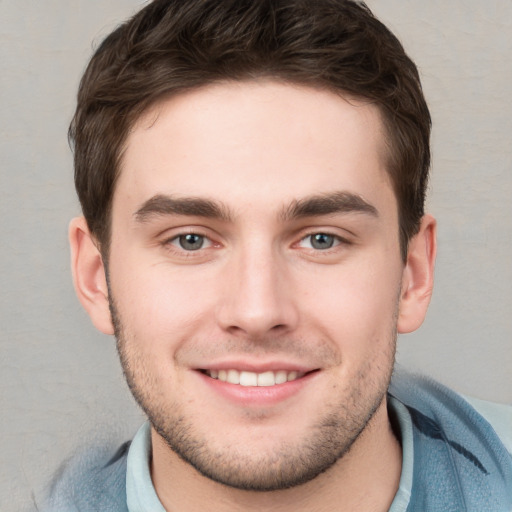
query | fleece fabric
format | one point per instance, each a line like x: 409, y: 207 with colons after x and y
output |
x: 456, y: 457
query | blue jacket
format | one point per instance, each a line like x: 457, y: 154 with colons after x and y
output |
x: 459, y: 463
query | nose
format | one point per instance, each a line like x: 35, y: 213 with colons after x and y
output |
x: 257, y: 296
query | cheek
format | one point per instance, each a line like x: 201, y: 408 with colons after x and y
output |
x: 160, y: 302
x: 356, y: 305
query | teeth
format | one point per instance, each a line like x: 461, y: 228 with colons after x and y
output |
x: 233, y: 377
x: 248, y: 379
x: 266, y: 379
x: 244, y: 378
x: 281, y: 377
x: 292, y: 376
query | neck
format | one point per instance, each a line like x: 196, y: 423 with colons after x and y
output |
x: 366, y: 478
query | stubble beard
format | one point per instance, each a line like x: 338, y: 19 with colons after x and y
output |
x: 327, y: 441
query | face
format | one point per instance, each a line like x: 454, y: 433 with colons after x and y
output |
x: 255, y: 276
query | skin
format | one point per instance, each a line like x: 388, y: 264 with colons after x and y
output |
x: 247, y: 168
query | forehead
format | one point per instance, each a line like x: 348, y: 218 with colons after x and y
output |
x: 254, y: 142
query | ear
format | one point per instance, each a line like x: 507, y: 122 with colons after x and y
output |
x: 418, y: 277
x: 89, y: 275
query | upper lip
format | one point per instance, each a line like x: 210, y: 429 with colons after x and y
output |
x: 257, y: 366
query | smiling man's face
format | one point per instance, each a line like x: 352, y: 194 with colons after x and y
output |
x: 255, y: 278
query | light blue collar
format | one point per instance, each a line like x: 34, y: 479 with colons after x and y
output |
x: 141, y: 495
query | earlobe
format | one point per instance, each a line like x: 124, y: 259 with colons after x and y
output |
x: 89, y: 275
x: 418, y: 277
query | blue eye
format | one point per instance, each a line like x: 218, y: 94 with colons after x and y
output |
x: 191, y: 241
x: 322, y: 241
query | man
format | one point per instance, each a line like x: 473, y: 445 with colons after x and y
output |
x: 252, y: 177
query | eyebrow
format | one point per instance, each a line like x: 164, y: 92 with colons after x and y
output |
x: 327, y: 204
x: 313, y: 206
x: 161, y: 205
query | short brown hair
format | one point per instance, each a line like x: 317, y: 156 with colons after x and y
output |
x: 172, y: 46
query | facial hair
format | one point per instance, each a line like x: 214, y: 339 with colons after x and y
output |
x: 326, y: 442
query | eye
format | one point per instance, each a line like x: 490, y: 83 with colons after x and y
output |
x: 320, y: 241
x: 191, y: 242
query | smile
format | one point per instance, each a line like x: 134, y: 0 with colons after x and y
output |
x: 246, y: 378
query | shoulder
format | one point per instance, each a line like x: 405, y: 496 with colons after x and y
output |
x: 425, y: 397
x: 93, y: 480
x: 499, y: 417
x: 461, y: 447
x: 434, y: 399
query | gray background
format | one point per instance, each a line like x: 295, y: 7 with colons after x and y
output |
x: 60, y: 380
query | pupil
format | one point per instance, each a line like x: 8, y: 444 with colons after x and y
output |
x: 322, y: 241
x: 191, y: 242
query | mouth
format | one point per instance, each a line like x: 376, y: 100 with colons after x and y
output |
x: 254, y: 379
x: 252, y: 385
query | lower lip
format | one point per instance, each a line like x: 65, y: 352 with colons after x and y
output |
x: 257, y: 396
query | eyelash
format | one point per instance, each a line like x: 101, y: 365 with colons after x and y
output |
x: 336, y: 241
x: 171, y: 243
